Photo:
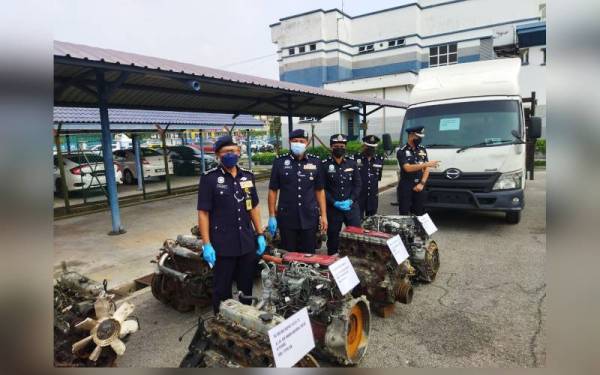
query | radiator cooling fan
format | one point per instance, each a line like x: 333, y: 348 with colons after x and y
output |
x: 107, y: 329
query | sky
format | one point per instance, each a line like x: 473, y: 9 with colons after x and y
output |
x: 223, y: 34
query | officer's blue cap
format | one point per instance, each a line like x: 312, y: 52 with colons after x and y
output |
x: 370, y: 140
x: 418, y: 130
x: 338, y: 138
x: 223, y: 141
x: 298, y: 133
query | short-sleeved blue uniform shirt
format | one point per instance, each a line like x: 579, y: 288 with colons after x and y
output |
x: 228, y: 201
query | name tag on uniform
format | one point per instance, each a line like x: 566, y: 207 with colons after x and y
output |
x: 377, y: 165
x: 348, y: 169
x: 246, y: 184
x: 310, y: 166
x: 408, y: 153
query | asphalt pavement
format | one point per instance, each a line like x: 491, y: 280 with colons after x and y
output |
x: 487, y: 307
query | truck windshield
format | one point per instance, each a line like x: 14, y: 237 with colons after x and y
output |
x: 457, y: 125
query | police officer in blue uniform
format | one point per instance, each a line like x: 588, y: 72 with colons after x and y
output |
x: 229, y: 222
x: 342, y: 190
x: 370, y: 166
x: 414, y: 171
x: 301, y: 205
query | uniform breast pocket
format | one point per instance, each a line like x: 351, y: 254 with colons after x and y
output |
x: 223, y: 196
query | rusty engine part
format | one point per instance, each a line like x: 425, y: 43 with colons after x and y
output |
x: 236, y: 337
x: 423, y: 252
x: 382, y: 280
x: 182, y: 279
x: 340, y: 324
x: 80, y: 306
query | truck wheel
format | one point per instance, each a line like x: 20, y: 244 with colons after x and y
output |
x: 513, y: 217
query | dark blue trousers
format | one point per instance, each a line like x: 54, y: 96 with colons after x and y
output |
x: 226, y: 270
x: 335, y: 219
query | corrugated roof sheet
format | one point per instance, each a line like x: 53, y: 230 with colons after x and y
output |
x: 160, y: 84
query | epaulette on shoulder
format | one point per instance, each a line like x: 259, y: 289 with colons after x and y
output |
x: 314, y: 156
x: 404, y: 147
x: 245, y: 169
x: 279, y: 156
x: 210, y: 170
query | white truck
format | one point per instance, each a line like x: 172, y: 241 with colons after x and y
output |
x: 481, y: 130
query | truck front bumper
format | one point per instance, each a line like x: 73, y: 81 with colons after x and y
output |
x: 501, y: 200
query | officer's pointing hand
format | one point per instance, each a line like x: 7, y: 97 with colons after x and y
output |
x: 272, y: 225
x: 433, y: 163
x: 262, y: 244
x: 208, y: 253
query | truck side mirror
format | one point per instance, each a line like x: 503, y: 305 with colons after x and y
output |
x: 535, y: 128
x: 387, y: 142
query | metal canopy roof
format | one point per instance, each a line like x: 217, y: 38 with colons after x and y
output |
x: 143, y: 82
x: 81, y: 120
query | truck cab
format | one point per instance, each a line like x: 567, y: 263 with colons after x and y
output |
x: 477, y: 126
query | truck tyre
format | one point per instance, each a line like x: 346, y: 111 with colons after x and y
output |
x: 513, y: 217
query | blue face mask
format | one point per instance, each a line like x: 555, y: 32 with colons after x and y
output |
x: 229, y: 160
x: 298, y: 148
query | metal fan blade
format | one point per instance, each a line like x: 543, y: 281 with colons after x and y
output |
x: 96, y: 353
x: 102, y: 308
x: 123, y: 311
x: 76, y: 347
x: 87, y: 324
x: 118, y: 346
x: 127, y: 327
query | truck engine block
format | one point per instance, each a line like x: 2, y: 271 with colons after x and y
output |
x: 182, y: 279
x: 340, y: 324
x: 382, y: 280
x: 236, y: 337
x: 423, y: 252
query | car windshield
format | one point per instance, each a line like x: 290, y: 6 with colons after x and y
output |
x: 85, y: 158
x: 464, y: 124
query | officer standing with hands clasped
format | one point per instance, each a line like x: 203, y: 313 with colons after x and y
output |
x: 298, y: 176
x: 342, y: 189
x: 370, y: 166
x: 229, y: 222
x: 414, y: 172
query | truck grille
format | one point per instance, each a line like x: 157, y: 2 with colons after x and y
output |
x: 473, y: 181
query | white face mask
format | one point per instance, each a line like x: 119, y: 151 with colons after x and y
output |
x: 298, y: 148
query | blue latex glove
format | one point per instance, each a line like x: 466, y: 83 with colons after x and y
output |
x: 208, y: 253
x: 272, y: 225
x: 262, y: 245
x: 349, y: 204
x: 338, y: 205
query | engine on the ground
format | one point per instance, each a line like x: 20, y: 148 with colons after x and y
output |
x: 89, y: 329
x: 182, y: 279
x: 423, y: 251
x: 236, y: 337
x: 382, y: 279
x: 340, y: 324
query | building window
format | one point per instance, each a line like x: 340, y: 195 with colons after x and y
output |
x: 292, y: 51
x: 395, y: 43
x: 313, y: 47
x: 445, y: 54
x: 544, y: 56
x: 366, y: 48
x: 524, y: 53
x: 301, y: 49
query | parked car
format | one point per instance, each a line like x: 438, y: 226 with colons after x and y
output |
x: 82, y: 171
x: 152, y: 162
x: 261, y: 146
x: 187, y: 160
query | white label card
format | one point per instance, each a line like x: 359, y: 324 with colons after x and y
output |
x: 344, y: 275
x: 427, y: 224
x: 397, y: 248
x: 291, y: 339
x: 449, y: 124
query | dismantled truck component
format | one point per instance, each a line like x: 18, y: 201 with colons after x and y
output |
x: 423, y: 252
x: 182, y: 279
x: 382, y: 279
x: 89, y: 330
x: 340, y: 324
x: 236, y: 337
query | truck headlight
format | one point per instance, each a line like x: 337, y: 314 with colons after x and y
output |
x: 510, y: 180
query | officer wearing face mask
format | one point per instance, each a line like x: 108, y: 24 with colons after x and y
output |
x: 342, y: 190
x: 414, y: 172
x: 370, y: 166
x: 229, y: 222
x: 301, y: 205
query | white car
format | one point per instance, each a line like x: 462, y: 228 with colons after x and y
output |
x: 152, y: 162
x: 82, y: 171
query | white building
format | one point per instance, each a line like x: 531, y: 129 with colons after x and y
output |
x: 380, y: 54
